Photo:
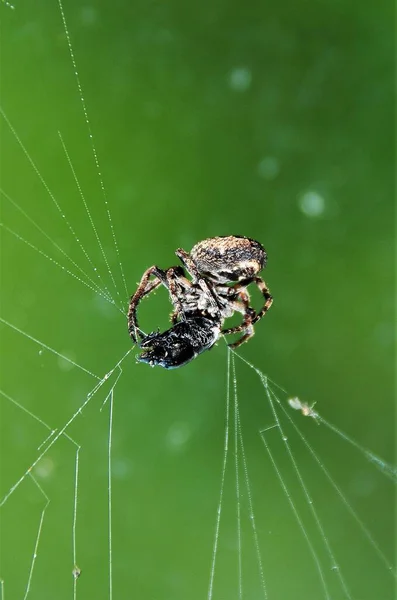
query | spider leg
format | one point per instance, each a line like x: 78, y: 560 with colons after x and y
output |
x: 246, y: 326
x: 267, y: 296
x: 173, y: 279
x: 177, y: 285
x: 250, y: 315
x: 191, y: 268
x: 240, y: 289
x: 187, y: 262
x: 249, y: 332
x: 144, y: 288
x: 242, y: 305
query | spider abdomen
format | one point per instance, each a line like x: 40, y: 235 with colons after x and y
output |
x: 229, y: 258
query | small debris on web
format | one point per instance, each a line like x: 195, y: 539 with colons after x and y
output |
x: 306, y: 410
x: 76, y: 572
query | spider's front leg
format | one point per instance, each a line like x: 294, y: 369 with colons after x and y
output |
x: 144, y: 288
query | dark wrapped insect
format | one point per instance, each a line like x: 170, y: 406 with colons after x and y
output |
x: 220, y: 270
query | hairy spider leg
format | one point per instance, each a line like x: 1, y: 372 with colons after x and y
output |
x: 145, y: 287
x: 191, y: 268
x: 176, y: 281
x: 267, y: 296
x: 170, y: 278
x: 250, y: 315
x: 242, y: 305
x: 248, y: 333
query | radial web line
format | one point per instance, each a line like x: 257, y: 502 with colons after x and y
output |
x: 98, y: 290
x: 79, y: 188
x: 44, y: 183
x: 237, y: 474
x: 52, y: 432
x: 286, y: 490
x: 247, y: 483
x: 95, y: 155
x: 36, y: 418
x: 57, y: 264
x: 338, y: 490
x: 74, y: 524
x: 61, y: 431
x: 223, y: 476
x: 51, y: 443
x: 6, y: 3
x: 387, y: 469
x: 38, y: 536
x: 52, y: 260
x: 110, y: 397
x: 296, y: 514
x: 28, y: 412
x: 42, y: 345
x: 334, y: 564
x: 49, y: 436
x: 110, y: 492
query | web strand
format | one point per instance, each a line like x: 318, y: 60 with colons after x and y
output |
x: 95, y: 287
x: 74, y: 525
x: 110, y: 493
x: 95, y: 155
x: 341, y: 495
x: 389, y: 470
x: 87, y: 210
x: 61, y: 431
x: 335, y: 567
x: 334, y: 564
x: 248, y: 485
x: 43, y: 345
x: 12, y: 7
x: 49, y: 192
x: 222, y: 487
x: 38, y: 536
x: 57, y: 264
x: 237, y: 441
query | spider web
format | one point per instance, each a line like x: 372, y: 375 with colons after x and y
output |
x: 107, y: 487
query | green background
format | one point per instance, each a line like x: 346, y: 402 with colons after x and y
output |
x: 272, y: 120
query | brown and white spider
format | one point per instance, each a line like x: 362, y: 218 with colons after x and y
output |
x: 221, y: 269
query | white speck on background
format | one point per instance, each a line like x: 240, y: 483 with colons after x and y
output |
x: 269, y: 168
x: 240, y: 79
x: 312, y: 204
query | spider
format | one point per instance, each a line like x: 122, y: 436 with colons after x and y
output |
x: 220, y: 269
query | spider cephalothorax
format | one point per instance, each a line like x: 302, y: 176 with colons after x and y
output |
x: 220, y: 269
